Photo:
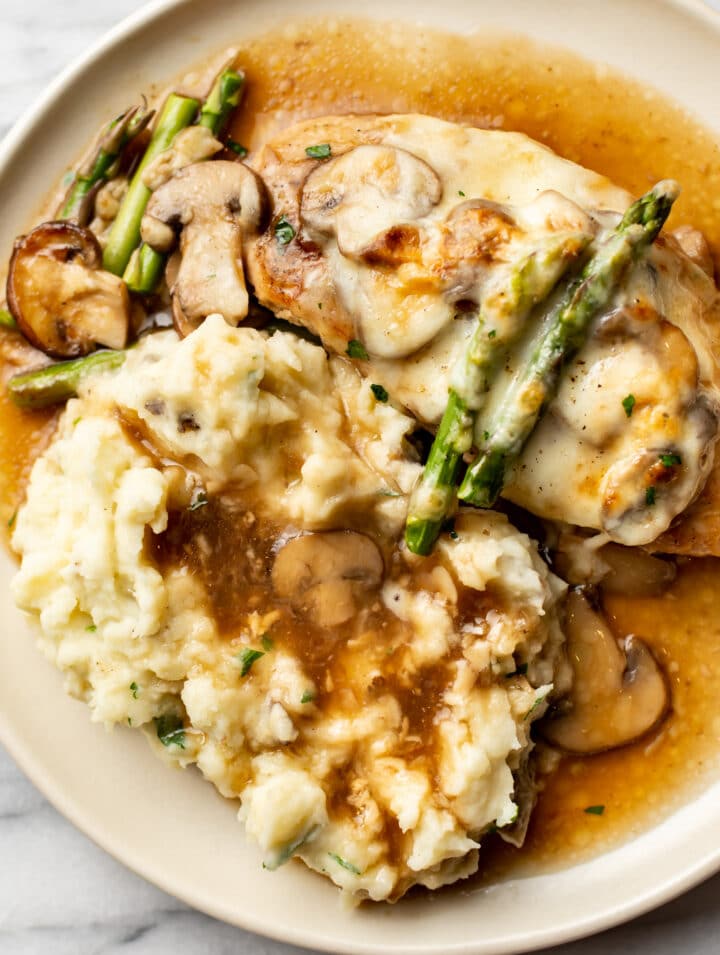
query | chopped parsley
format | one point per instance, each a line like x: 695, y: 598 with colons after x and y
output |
x: 266, y: 642
x: 12, y: 520
x: 461, y: 193
x: 200, y: 500
x: 284, y: 231
x: 492, y: 333
x: 486, y: 435
x: 247, y: 657
x: 92, y: 628
x: 594, y: 810
x: 670, y: 460
x: 307, y: 697
x: 540, y: 700
x: 356, y: 349
x: 237, y: 148
x: 321, y: 151
x: 344, y: 863
x: 650, y: 496
x: 379, y: 392
x: 628, y: 404
x: 77, y: 421
x: 170, y: 731
x: 129, y: 720
x: 134, y: 689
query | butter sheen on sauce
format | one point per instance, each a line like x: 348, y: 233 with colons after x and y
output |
x: 616, y: 127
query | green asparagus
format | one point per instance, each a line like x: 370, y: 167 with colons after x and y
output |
x: 6, y: 319
x: 56, y: 383
x: 559, y: 341
x: 101, y: 165
x: 178, y: 112
x: 223, y: 98
x: 499, y: 323
x: 146, y: 266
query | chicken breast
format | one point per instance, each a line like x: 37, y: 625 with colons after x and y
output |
x: 395, y: 238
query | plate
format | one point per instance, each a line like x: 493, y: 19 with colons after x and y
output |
x: 170, y: 826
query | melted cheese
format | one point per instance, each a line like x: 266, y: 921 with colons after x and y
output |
x: 387, y: 258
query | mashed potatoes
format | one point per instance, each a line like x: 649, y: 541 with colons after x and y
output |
x: 370, y: 709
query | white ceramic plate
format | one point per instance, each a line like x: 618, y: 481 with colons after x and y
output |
x: 169, y: 826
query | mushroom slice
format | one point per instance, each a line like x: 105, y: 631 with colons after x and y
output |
x: 326, y: 574
x: 60, y: 296
x: 215, y: 205
x: 366, y: 193
x: 619, y: 692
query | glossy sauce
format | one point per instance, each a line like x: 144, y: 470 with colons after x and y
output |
x: 616, y: 127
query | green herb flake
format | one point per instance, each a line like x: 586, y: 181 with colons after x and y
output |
x: 237, y: 148
x: 247, y: 657
x: 284, y: 231
x: 170, y: 731
x: 461, y: 193
x: 266, y: 642
x: 594, y: 810
x: 307, y: 697
x: 379, y: 392
x: 92, y: 628
x: 486, y: 435
x: 628, y: 404
x: 650, y: 496
x: 134, y: 689
x: 320, y: 306
x: 321, y: 151
x: 356, y: 349
x: 11, y: 522
x: 200, y: 500
x: 492, y: 333
x: 538, y: 702
x: 344, y: 863
x: 670, y: 460
x: 129, y: 720
x: 76, y: 422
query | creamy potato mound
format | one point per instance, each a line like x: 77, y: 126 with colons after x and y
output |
x: 374, y: 722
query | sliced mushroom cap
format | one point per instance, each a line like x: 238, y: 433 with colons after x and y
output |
x: 214, y: 205
x: 365, y: 193
x: 59, y: 294
x: 327, y: 574
x: 634, y: 572
x: 695, y: 246
x: 619, y: 692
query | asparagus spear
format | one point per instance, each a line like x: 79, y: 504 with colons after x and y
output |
x: 561, y: 338
x: 177, y: 113
x: 56, y: 383
x: 100, y: 165
x: 146, y: 265
x: 6, y: 319
x: 223, y: 98
x: 499, y: 323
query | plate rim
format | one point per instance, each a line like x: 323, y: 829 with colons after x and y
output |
x: 72, y: 810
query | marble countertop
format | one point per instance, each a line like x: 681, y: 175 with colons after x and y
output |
x: 59, y: 893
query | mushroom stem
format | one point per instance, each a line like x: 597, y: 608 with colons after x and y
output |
x: 56, y: 383
x: 145, y: 267
x: 177, y: 113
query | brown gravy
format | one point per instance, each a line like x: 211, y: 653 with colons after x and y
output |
x: 616, y: 127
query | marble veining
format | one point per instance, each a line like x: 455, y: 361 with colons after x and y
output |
x: 59, y: 893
